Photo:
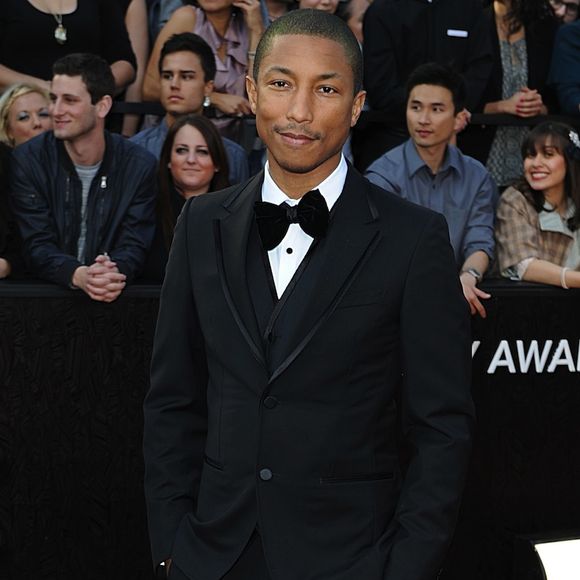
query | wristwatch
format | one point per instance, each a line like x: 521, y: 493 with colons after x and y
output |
x: 475, y: 273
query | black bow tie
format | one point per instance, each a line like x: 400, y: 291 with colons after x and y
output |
x: 274, y: 220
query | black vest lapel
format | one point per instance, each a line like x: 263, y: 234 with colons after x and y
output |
x: 260, y: 281
x: 335, y: 262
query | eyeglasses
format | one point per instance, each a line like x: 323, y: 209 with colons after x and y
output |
x: 571, y: 7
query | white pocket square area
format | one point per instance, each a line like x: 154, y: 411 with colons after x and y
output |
x: 457, y: 33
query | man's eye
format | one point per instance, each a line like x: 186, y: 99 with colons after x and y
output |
x: 166, y: 76
x: 279, y: 84
x: 188, y: 77
x: 328, y: 90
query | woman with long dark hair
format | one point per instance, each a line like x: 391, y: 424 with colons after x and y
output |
x: 538, y: 219
x: 193, y: 162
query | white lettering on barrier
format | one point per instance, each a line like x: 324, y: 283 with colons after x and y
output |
x: 502, y: 358
x: 533, y: 352
x: 532, y: 356
x: 562, y: 357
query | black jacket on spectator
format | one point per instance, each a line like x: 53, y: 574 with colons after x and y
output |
x: 47, y: 195
x: 9, y: 240
x: 399, y: 35
x: 477, y: 140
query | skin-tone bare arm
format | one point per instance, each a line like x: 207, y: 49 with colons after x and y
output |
x: 136, y: 23
x: 182, y: 20
x: 124, y: 74
x: 547, y: 273
x: 10, y: 76
x: 4, y: 268
x: 479, y: 261
x: 122, y: 71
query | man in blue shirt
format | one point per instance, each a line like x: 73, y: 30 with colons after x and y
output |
x: 187, y: 69
x: 431, y: 172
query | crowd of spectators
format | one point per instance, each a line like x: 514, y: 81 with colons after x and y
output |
x: 91, y: 204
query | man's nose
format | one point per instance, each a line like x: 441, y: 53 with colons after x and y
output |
x: 424, y: 117
x: 300, y: 106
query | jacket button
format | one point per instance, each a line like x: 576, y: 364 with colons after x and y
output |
x: 265, y: 474
x: 270, y: 402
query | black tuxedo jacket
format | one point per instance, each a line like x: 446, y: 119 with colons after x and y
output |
x: 283, y: 416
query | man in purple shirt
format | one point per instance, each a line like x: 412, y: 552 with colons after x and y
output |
x: 427, y: 170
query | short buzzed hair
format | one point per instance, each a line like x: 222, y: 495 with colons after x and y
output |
x: 317, y: 23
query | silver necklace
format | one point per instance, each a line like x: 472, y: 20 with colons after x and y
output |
x: 60, y: 30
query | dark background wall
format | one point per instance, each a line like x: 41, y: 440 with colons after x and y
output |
x: 73, y: 374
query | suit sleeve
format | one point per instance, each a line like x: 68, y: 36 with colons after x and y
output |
x: 437, y: 410
x: 175, y: 408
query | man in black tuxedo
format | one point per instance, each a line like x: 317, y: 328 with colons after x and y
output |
x: 296, y: 341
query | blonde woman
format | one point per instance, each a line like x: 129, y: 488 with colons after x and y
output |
x: 23, y: 113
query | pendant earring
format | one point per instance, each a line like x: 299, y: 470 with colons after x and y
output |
x: 206, y: 102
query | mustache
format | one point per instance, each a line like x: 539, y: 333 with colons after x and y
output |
x: 297, y: 130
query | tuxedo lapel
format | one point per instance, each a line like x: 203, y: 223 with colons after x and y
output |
x: 352, y: 235
x: 231, y: 237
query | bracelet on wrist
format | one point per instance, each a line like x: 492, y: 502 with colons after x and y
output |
x: 563, y: 278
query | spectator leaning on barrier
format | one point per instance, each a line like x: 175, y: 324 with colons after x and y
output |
x: 187, y: 70
x: 427, y: 170
x: 565, y: 69
x: 538, y: 219
x: 400, y: 35
x: 84, y: 199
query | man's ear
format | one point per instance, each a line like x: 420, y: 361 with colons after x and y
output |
x: 104, y: 106
x: 252, y: 91
x: 357, y: 107
x: 208, y: 89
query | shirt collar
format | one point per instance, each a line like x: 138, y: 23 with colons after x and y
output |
x: 552, y: 221
x: 415, y: 163
x: 330, y: 188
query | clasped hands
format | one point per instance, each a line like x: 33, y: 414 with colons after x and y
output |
x: 526, y: 103
x: 102, y: 280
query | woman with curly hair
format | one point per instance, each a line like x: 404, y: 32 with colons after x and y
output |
x: 523, y: 34
x: 538, y: 219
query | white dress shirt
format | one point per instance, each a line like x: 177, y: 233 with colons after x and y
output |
x: 287, y: 256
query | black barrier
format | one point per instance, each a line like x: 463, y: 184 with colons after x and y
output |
x: 73, y: 374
